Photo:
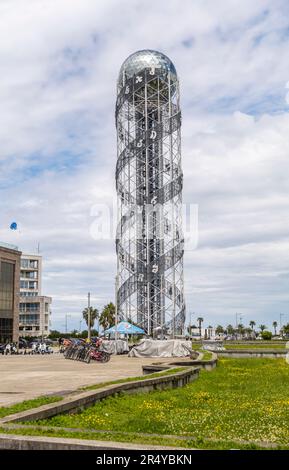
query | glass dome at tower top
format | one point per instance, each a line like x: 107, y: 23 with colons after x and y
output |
x: 139, y: 60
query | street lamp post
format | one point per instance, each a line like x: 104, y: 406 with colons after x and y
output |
x: 281, y: 315
x: 190, y: 327
x: 241, y: 318
x: 116, y: 311
x: 88, y: 318
x: 66, y: 316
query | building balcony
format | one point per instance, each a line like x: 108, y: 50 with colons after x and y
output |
x: 29, y: 311
x: 29, y: 322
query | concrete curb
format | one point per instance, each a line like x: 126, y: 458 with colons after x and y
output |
x: 207, y: 365
x: 15, y: 442
x: 199, y: 362
x: 247, y: 353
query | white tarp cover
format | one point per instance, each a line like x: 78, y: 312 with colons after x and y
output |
x: 119, y: 346
x: 159, y: 348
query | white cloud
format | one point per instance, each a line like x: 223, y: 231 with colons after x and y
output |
x: 59, y: 64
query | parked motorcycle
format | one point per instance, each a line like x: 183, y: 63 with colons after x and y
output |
x: 79, y: 350
x: 10, y: 348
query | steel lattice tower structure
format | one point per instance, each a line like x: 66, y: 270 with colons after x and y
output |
x: 149, y: 181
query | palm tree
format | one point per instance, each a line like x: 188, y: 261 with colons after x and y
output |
x: 107, y: 317
x: 252, y: 324
x: 275, y: 324
x: 219, y: 329
x: 262, y: 328
x: 200, y: 321
x: 285, y: 329
x: 94, y: 314
x: 230, y: 329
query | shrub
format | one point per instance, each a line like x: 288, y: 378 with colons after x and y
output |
x: 267, y: 335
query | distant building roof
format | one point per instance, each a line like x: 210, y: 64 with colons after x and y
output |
x: 9, y: 246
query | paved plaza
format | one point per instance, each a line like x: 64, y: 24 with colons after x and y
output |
x: 26, y: 377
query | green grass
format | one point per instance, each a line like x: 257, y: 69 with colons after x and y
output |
x: 133, y: 379
x: 207, y: 355
x: 242, y: 399
x: 27, y: 405
x: 186, y: 443
x: 257, y: 345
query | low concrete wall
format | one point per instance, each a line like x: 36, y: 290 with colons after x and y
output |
x: 14, y: 442
x: 200, y: 362
x: 247, y: 353
x: 85, y: 399
x: 207, y: 365
x: 197, y: 362
x: 150, y: 369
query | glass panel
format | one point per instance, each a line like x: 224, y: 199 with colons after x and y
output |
x: 6, y: 325
x: 6, y: 301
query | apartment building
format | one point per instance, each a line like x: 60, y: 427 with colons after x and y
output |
x: 34, y: 308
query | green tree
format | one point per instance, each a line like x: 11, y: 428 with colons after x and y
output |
x: 285, y: 329
x: 275, y: 324
x: 54, y: 334
x: 107, y: 317
x: 266, y: 335
x: 248, y: 331
x: 219, y: 329
x: 252, y: 324
x: 241, y: 329
x: 94, y: 314
x: 230, y: 330
x: 262, y: 328
x: 200, y: 321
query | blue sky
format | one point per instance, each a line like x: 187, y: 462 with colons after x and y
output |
x: 59, y: 61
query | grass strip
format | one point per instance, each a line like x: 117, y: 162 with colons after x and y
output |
x: 174, y: 441
x: 28, y: 404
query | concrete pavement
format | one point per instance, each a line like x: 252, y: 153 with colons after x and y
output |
x: 26, y: 377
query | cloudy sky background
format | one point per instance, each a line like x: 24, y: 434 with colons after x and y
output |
x: 59, y: 61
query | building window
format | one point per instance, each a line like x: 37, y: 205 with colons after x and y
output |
x: 33, y: 264
x: 29, y: 319
x: 28, y: 285
x: 29, y: 264
x: 29, y: 274
x: 29, y: 307
x: 6, y: 292
x: 25, y: 263
x: 6, y: 330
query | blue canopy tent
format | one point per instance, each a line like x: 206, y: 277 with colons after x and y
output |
x: 125, y: 328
